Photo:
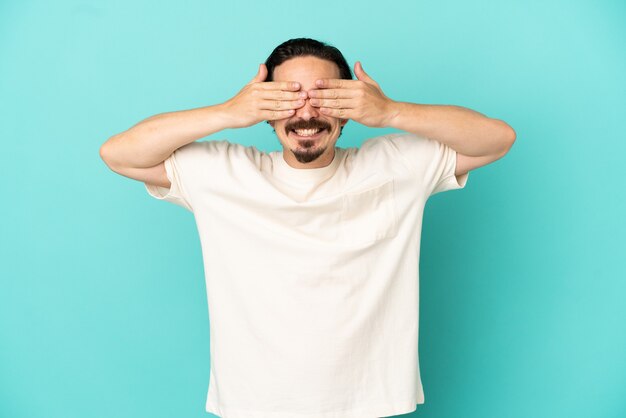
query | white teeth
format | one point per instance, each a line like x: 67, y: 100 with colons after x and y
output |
x: 307, y: 132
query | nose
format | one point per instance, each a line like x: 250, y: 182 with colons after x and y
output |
x: 307, y: 111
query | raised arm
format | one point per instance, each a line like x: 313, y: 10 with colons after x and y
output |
x: 139, y: 152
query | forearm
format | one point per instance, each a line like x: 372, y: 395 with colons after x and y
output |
x: 464, y: 130
x: 152, y: 140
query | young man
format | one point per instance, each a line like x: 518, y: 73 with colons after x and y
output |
x: 310, y: 253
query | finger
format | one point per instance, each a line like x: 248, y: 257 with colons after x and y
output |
x: 277, y: 114
x: 362, y: 75
x: 281, y: 104
x: 334, y: 93
x: 280, y: 85
x: 260, y: 75
x: 340, y: 83
x: 334, y: 103
x: 281, y: 95
x: 337, y: 113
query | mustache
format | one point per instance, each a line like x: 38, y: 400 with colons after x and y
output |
x: 307, y: 124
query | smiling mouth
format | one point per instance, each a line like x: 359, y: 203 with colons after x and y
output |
x: 307, y: 133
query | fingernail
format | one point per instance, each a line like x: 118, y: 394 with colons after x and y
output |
x: 302, y: 94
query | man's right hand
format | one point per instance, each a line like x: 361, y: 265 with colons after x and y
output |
x: 139, y: 152
x: 259, y: 101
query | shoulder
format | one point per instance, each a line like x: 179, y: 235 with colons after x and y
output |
x: 399, y: 142
x: 408, y: 142
x: 402, y: 147
x: 415, y: 149
x: 224, y: 154
x: 205, y: 147
x: 219, y: 147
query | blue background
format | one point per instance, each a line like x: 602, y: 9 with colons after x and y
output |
x: 102, y: 299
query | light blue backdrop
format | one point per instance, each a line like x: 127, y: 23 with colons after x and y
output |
x: 102, y: 299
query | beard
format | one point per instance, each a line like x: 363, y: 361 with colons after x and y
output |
x: 308, y: 152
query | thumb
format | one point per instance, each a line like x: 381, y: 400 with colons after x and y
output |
x: 260, y: 75
x: 361, y: 74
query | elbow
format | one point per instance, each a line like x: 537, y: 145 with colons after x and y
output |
x: 103, y: 151
x: 105, y: 156
x: 106, y: 153
x: 512, y: 135
x: 508, y: 136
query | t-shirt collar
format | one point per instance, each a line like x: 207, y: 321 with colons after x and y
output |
x: 288, y: 173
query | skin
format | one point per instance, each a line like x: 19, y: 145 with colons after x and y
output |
x: 306, y: 93
x: 329, y: 102
x: 307, y: 153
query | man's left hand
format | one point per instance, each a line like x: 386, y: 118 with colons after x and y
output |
x: 361, y: 100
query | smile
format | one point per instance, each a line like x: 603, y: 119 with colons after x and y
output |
x: 307, y: 133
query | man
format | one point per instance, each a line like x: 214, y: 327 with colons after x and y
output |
x: 310, y: 253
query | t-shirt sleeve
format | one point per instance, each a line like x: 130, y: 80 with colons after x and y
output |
x: 432, y: 161
x: 187, y: 171
x: 175, y: 193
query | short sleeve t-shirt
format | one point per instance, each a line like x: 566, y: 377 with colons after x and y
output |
x: 311, y: 274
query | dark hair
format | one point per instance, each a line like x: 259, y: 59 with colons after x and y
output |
x: 302, y: 47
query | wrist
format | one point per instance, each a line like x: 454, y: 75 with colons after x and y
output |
x: 394, y: 112
x: 223, y: 113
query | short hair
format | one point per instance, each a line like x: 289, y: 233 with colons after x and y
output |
x: 303, y: 47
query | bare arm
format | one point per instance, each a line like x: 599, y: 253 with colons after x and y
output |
x: 476, y: 138
x: 152, y: 140
x: 466, y: 131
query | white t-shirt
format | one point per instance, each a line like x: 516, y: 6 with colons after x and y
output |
x: 312, y: 274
